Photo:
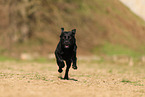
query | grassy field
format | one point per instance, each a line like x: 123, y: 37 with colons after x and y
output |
x: 92, y: 79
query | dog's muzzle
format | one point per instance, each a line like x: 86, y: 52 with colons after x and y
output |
x: 66, y: 44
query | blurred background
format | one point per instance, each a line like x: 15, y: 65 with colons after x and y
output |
x: 31, y: 28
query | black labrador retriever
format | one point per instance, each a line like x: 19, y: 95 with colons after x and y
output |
x: 66, y: 51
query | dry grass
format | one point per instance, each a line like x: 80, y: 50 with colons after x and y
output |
x: 92, y: 79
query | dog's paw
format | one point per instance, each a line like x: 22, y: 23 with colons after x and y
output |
x: 60, y: 70
x: 74, y: 67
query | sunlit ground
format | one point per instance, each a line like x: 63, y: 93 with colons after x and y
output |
x: 92, y: 79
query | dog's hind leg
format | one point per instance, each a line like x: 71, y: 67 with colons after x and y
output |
x: 67, y: 69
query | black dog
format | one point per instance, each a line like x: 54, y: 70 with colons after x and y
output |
x: 66, y: 51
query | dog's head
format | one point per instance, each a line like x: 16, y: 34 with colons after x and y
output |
x: 67, y: 38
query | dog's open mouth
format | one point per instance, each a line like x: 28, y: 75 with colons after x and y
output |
x: 66, y: 46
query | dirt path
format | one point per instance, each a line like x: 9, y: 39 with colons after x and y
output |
x: 28, y: 79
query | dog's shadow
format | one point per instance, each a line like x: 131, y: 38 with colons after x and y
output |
x: 68, y: 79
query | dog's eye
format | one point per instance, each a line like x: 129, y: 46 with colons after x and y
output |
x: 64, y: 37
x: 69, y: 37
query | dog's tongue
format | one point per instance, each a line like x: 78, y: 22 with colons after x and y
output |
x: 66, y: 46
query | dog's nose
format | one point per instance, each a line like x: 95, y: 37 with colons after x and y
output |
x: 66, y: 42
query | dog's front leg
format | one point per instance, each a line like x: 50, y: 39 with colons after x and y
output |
x: 60, y: 61
x: 74, y: 60
x: 74, y: 66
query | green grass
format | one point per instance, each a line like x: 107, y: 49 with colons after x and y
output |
x: 114, y: 49
x: 37, y: 60
x: 40, y: 77
x: 126, y: 81
x: 135, y: 83
x: 43, y: 60
x: 5, y: 58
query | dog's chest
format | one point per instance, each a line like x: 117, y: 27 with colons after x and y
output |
x: 67, y: 54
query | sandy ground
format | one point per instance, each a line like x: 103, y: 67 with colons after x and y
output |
x: 30, y: 79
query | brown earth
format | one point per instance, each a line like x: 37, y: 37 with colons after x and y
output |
x: 92, y: 79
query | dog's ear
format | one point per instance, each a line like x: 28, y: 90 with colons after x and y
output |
x: 74, y: 31
x: 62, y: 29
